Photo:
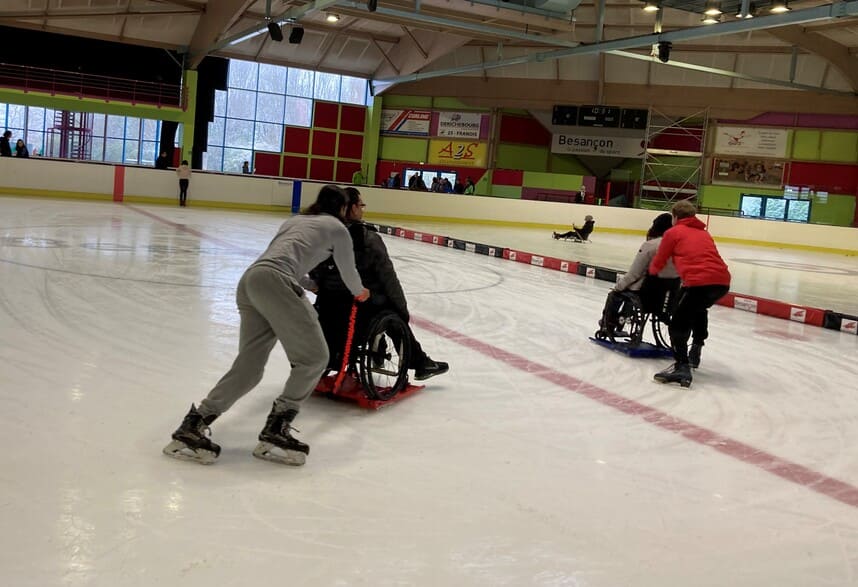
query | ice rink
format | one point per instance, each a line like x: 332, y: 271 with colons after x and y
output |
x: 539, y: 459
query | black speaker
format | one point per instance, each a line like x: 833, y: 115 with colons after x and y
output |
x: 664, y: 48
x: 296, y: 35
x: 275, y: 31
x: 564, y: 115
x: 371, y: 5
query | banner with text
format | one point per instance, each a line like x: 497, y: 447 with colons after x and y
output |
x: 460, y: 125
x: 751, y: 141
x: 739, y: 170
x: 406, y: 122
x: 574, y: 143
x: 457, y: 153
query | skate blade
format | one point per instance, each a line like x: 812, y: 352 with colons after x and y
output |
x: 681, y: 382
x: 270, y: 452
x: 179, y: 450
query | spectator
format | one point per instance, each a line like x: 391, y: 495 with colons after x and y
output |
x: 469, y: 187
x: 162, y: 162
x: 396, y: 182
x: 21, y: 149
x: 446, y: 186
x: 705, y: 280
x: 459, y: 188
x: 5, y: 147
x: 358, y: 177
x: 245, y: 168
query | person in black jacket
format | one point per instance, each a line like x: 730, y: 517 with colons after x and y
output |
x: 162, y: 162
x: 21, y: 149
x: 5, y: 147
x: 578, y: 234
x: 334, y: 301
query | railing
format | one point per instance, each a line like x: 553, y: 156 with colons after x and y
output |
x: 87, y: 85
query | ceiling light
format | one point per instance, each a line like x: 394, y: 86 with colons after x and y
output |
x: 709, y: 19
x: 780, y: 6
x: 332, y: 17
x: 713, y: 8
x: 751, y: 10
x: 651, y: 6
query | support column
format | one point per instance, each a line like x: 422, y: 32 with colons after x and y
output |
x: 189, y: 87
x: 372, y: 130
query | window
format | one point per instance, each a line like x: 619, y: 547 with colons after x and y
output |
x: 234, y: 158
x: 775, y: 207
x: 241, y: 104
x: 220, y: 103
x: 213, y: 159
x: 150, y: 130
x: 243, y: 74
x: 299, y: 112
x: 269, y: 107
x: 113, y: 150
x: 216, y: 130
x: 300, y: 83
x: 115, y: 127
x: 268, y: 137
x: 239, y: 133
x: 132, y: 128
x: 272, y: 78
x: 353, y: 90
x: 327, y: 87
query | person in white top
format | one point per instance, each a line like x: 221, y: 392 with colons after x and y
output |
x: 184, y: 173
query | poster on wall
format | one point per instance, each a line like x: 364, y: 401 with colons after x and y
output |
x: 457, y: 153
x: 574, y: 143
x: 751, y: 141
x: 745, y: 171
x: 406, y: 122
x: 459, y: 125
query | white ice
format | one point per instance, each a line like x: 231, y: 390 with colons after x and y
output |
x: 539, y: 459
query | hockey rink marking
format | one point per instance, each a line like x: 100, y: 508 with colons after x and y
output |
x: 787, y: 470
x: 793, y: 472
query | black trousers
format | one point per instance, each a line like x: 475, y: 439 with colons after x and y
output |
x: 691, y: 317
x: 183, y: 191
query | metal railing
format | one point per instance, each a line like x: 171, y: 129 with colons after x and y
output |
x: 87, y: 85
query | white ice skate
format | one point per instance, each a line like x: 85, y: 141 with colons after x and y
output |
x: 271, y: 452
x: 179, y: 450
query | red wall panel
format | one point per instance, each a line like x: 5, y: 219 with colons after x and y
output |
x: 352, y: 118
x: 345, y: 170
x: 826, y: 177
x: 523, y: 129
x: 326, y: 114
x: 294, y: 166
x: 513, y: 177
x: 685, y: 139
x: 322, y: 169
x: 324, y: 143
x: 267, y: 163
x: 350, y: 146
x: 297, y: 140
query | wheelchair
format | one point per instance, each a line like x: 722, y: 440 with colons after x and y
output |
x: 652, y: 306
x: 377, y: 361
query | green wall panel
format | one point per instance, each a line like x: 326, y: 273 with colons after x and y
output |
x: 522, y: 157
x: 805, y: 145
x: 74, y: 104
x: 400, y: 149
x: 839, y: 146
x: 506, y: 191
x: 454, y: 104
x: 632, y: 165
x: 552, y: 181
x: 839, y: 211
x: 394, y: 101
x: 568, y: 164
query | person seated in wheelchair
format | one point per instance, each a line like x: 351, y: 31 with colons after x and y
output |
x: 578, y: 234
x: 334, y: 300
x: 653, y: 293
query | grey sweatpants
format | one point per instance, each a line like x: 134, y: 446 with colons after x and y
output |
x: 272, y: 307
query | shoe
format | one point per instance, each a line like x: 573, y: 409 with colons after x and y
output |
x: 276, y: 442
x: 694, y: 355
x: 555, y: 236
x: 678, y: 373
x: 430, y: 368
x: 190, y: 442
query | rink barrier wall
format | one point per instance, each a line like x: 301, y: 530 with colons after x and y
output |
x: 766, y: 307
x: 39, y: 176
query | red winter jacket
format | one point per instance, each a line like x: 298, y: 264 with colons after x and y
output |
x: 694, y: 254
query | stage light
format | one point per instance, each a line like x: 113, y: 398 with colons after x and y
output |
x: 780, y: 6
x: 332, y: 17
x: 296, y: 34
x: 275, y: 32
x: 664, y: 48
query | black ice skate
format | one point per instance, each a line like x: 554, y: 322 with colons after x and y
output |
x: 678, y: 373
x: 694, y: 355
x: 276, y: 442
x: 190, y: 442
x: 430, y: 368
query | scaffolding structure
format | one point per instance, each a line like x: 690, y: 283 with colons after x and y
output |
x: 71, y: 135
x: 672, y: 167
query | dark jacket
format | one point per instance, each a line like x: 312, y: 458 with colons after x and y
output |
x: 585, y: 230
x: 694, y: 254
x: 5, y: 148
x: 374, y: 266
x: 162, y: 163
x: 22, y: 151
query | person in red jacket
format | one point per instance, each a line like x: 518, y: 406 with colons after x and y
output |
x: 705, y: 280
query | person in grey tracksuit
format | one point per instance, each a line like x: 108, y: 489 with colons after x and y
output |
x: 272, y: 306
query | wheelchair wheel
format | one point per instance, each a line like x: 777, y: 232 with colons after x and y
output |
x: 659, y: 332
x: 631, y: 323
x: 382, y: 359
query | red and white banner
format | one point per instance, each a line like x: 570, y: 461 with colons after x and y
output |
x: 406, y: 122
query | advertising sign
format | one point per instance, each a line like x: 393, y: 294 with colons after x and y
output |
x: 745, y: 171
x: 457, y: 153
x: 460, y: 125
x: 751, y: 141
x: 406, y: 122
x: 575, y: 143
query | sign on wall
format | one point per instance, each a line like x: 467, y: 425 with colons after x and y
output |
x: 457, y: 153
x: 460, y: 125
x: 745, y: 171
x: 751, y: 141
x: 406, y: 122
x: 574, y: 143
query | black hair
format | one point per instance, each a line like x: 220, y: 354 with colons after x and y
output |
x: 660, y: 225
x: 330, y: 200
x: 184, y: 161
x: 352, y: 196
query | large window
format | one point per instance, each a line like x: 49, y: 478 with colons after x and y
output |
x: 116, y: 139
x: 787, y: 208
x: 261, y: 100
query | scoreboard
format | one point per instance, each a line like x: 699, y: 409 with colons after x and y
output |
x: 599, y: 116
